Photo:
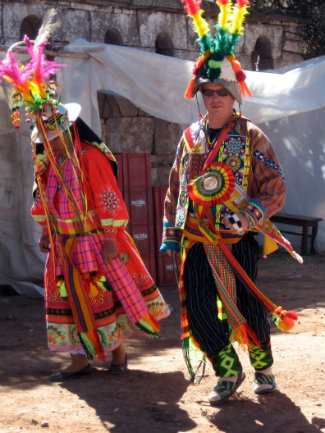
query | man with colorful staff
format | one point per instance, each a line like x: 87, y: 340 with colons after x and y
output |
x: 98, y: 292
x: 225, y: 184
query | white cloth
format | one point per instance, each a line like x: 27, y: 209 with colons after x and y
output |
x: 288, y: 104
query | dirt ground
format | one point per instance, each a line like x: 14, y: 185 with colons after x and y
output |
x: 155, y: 395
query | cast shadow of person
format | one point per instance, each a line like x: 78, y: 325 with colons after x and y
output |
x: 136, y: 401
x: 273, y: 413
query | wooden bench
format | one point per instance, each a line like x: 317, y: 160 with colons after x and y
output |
x: 301, y: 221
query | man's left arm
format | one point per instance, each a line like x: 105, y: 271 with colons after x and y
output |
x: 267, y: 187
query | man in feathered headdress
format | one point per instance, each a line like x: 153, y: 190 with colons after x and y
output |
x: 98, y: 291
x: 225, y: 183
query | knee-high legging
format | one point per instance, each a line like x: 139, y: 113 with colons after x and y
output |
x: 201, y: 298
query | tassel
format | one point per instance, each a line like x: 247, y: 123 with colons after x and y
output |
x: 101, y: 283
x: 244, y: 89
x: 62, y: 288
x: 190, y: 89
x: 92, y: 345
x: 241, y: 335
x: 284, y: 320
x: 93, y: 291
x: 269, y: 246
x: 240, y: 76
x: 149, y: 324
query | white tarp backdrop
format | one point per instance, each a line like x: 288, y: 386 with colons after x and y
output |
x: 288, y: 104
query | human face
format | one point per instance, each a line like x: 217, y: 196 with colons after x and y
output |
x: 218, y: 107
x: 57, y: 146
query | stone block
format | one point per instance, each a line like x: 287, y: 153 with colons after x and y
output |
x: 288, y: 59
x: 125, y: 24
x: 13, y: 14
x: 273, y: 33
x: 293, y: 46
x: 76, y: 24
x: 152, y: 23
x: 129, y: 134
x: 116, y: 106
x: 166, y: 137
x: 160, y: 175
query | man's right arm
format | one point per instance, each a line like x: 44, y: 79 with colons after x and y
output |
x: 171, y: 235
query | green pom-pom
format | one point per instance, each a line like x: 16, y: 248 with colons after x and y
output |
x: 214, y: 64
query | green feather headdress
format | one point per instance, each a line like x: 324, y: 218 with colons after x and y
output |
x: 217, y: 51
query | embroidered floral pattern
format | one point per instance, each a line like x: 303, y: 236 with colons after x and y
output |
x: 110, y: 200
x: 55, y: 336
x: 235, y: 145
x: 234, y: 162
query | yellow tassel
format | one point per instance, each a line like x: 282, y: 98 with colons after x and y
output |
x: 269, y: 246
x: 93, y: 291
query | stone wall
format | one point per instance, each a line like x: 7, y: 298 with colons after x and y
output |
x: 157, y: 26
x: 126, y: 128
x: 140, y: 23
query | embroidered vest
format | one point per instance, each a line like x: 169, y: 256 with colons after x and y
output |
x: 235, y: 151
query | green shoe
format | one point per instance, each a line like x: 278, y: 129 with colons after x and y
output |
x: 263, y: 383
x: 224, y: 390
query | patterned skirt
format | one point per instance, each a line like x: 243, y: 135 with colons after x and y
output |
x: 113, y: 323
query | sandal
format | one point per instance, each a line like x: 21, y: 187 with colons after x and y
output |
x: 60, y: 376
x: 224, y: 390
x: 263, y: 383
x: 119, y: 368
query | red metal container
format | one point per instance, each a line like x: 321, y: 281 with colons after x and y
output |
x: 159, y: 193
x: 165, y: 268
x: 164, y: 264
x: 136, y: 169
x: 138, y: 201
x: 150, y: 261
x: 143, y: 236
x: 165, y: 271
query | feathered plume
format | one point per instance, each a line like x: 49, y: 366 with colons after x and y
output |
x: 48, y: 26
x: 30, y: 82
x: 201, y: 27
x: 215, y: 48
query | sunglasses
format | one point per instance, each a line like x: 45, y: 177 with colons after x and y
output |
x: 211, y: 92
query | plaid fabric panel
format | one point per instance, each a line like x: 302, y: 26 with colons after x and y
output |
x: 226, y: 283
x: 124, y: 287
x: 122, y: 283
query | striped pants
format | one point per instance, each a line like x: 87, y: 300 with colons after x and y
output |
x: 201, y: 302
